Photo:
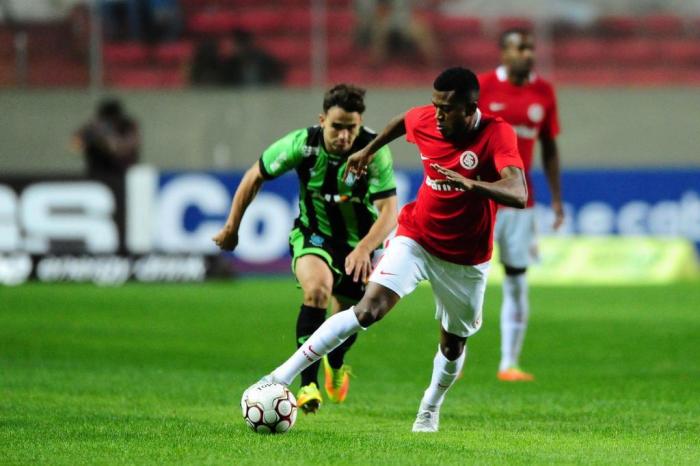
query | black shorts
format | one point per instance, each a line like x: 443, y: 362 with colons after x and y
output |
x: 303, y: 242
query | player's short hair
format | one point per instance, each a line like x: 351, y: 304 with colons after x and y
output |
x: 503, y: 38
x: 460, y: 80
x: 346, y: 96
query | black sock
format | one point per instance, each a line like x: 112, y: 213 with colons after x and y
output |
x: 336, y: 357
x: 309, y: 320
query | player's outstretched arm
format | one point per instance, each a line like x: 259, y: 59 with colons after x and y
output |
x: 227, y: 237
x: 357, y: 162
x: 510, y: 190
x: 359, y: 263
x: 550, y: 163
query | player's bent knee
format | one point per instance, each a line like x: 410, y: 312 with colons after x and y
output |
x: 452, y: 351
x: 370, y: 310
x: 365, y: 316
x: 317, y: 295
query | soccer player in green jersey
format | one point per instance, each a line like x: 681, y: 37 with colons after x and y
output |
x: 340, y: 225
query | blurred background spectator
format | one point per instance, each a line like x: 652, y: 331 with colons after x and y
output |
x: 150, y: 20
x: 393, y: 29
x: 235, y: 60
x: 110, y: 142
x: 121, y: 19
x: 163, y: 20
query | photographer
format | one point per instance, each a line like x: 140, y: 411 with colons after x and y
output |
x: 110, y: 142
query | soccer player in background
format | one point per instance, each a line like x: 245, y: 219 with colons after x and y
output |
x: 340, y: 224
x: 471, y: 162
x: 515, y: 93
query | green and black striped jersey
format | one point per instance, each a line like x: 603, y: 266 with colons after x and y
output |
x: 327, y: 204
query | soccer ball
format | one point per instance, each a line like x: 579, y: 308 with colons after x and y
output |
x: 269, y: 408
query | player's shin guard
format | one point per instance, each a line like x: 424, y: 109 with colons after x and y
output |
x: 514, y: 316
x: 337, y: 356
x: 330, y: 335
x: 445, y: 373
x: 308, y: 321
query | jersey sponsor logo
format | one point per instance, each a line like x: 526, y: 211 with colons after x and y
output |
x: 469, y: 160
x: 535, y: 112
x: 497, y: 106
x: 308, y: 151
x: 383, y: 272
x: 336, y: 198
x: 525, y: 132
x: 423, y: 157
x: 439, y: 186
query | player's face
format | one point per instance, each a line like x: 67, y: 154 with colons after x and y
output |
x: 519, y: 54
x: 451, y: 112
x: 340, y: 128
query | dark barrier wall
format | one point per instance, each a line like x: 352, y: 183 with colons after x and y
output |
x: 637, y: 127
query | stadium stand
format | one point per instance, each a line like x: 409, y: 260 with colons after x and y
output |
x: 614, y: 49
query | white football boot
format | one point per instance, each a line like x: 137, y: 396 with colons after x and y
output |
x: 427, y: 421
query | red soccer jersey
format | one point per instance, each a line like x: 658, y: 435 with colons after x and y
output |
x: 530, y: 108
x: 452, y: 224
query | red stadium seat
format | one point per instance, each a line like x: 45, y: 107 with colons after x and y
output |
x: 343, y: 52
x: 462, y: 26
x: 479, y: 53
x: 146, y: 78
x: 287, y: 49
x: 349, y: 73
x: 130, y: 53
x: 7, y: 42
x: 212, y: 22
x: 633, y: 52
x: 506, y: 22
x: 174, y: 52
x: 298, y: 76
x: 681, y: 52
x: 663, y: 25
x: 341, y: 22
x: 57, y: 71
x: 579, y: 51
x: 262, y: 21
x: 619, y: 25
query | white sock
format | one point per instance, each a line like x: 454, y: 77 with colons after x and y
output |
x: 445, y: 373
x: 335, y: 330
x: 515, y: 311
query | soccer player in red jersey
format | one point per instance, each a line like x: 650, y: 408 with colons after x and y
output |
x: 471, y: 162
x: 526, y: 101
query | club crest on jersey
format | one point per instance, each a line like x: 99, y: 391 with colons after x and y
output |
x: 469, y: 160
x: 316, y: 240
x: 535, y: 113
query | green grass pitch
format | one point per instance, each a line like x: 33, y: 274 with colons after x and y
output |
x: 154, y: 374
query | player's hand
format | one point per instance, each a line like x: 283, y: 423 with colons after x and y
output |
x: 452, y: 178
x: 356, y: 165
x: 226, y: 239
x: 358, y: 264
x: 558, y: 209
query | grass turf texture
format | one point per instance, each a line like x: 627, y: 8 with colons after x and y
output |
x: 154, y: 373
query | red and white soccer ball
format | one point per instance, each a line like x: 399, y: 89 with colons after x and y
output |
x: 269, y: 408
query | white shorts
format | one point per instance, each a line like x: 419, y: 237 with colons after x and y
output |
x: 458, y: 289
x: 516, y: 236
